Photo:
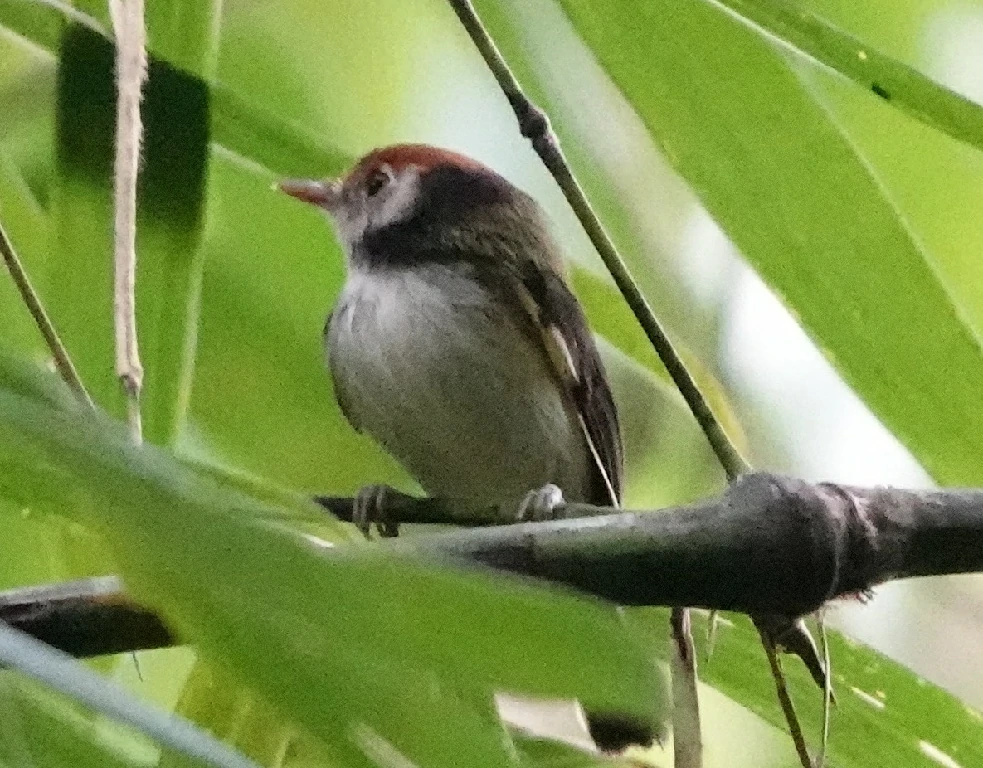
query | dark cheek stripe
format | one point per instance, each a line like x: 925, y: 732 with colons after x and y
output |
x: 449, y: 196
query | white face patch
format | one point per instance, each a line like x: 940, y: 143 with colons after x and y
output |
x: 360, y: 213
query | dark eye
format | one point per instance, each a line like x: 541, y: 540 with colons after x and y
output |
x: 376, y: 182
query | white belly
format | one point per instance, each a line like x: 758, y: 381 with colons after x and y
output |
x: 451, y: 388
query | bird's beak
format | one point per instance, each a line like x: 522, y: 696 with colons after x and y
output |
x: 325, y: 194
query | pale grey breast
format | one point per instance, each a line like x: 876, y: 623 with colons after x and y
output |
x: 424, y: 363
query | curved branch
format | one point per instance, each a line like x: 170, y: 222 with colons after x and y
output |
x: 768, y: 545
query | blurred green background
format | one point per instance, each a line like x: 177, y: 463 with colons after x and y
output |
x: 813, y: 249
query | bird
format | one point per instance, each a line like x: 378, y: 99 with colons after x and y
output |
x: 456, y: 342
x: 458, y: 345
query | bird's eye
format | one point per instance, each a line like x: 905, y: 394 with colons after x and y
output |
x: 376, y: 182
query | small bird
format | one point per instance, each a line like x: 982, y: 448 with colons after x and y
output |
x: 456, y: 342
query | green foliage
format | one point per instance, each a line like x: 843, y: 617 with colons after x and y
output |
x: 316, y: 653
x: 344, y: 663
x: 805, y: 209
x: 877, y: 700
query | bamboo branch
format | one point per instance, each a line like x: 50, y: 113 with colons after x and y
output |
x: 770, y: 545
x: 131, y: 71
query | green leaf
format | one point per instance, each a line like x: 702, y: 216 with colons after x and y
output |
x: 804, y: 208
x: 51, y: 733
x: 878, y: 702
x: 382, y: 631
x: 241, y: 718
x: 902, y: 86
x: 261, y: 137
x: 29, y: 230
x: 24, y: 654
x: 185, y: 33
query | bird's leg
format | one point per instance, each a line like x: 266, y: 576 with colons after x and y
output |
x: 369, y: 506
x: 541, y: 504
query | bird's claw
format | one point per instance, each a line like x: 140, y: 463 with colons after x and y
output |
x: 369, y: 506
x: 541, y: 504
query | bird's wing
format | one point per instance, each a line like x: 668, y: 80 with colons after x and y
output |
x: 569, y: 345
x: 333, y: 370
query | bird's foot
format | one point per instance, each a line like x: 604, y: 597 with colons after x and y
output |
x: 540, y: 504
x: 369, y: 507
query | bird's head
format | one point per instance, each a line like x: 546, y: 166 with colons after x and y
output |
x: 412, y: 200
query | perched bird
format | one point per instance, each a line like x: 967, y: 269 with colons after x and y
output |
x: 456, y: 342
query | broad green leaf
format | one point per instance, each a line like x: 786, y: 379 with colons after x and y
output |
x: 383, y: 632
x: 28, y: 228
x: 48, y: 549
x: 901, y: 85
x: 185, y: 33
x: 934, y: 180
x: 40, y: 23
x: 242, y: 719
x: 802, y: 205
x: 240, y: 125
x: 260, y: 137
x: 52, y: 733
x: 883, y: 715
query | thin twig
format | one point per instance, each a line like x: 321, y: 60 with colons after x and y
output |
x: 827, y: 689
x: 66, y: 369
x: 788, y: 708
x: 131, y: 71
x: 535, y: 126
x: 687, y: 741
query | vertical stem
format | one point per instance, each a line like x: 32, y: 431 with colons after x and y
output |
x: 534, y: 125
x: 131, y: 71
x: 788, y: 708
x: 30, y: 297
x: 687, y: 741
